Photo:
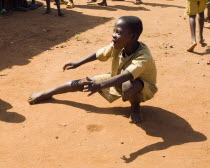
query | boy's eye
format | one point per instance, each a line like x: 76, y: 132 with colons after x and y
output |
x: 118, y: 32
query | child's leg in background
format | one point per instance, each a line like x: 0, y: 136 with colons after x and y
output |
x: 192, y: 19
x: 103, y: 3
x: 208, y: 16
x: 201, y: 24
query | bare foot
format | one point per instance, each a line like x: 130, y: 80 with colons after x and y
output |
x: 192, y: 47
x: 37, y: 97
x: 60, y: 14
x: 47, y: 11
x: 201, y: 41
x: 102, y: 4
x: 138, y: 2
x: 136, y: 115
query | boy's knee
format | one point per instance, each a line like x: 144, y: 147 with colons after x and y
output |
x: 127, y: 88
x: 130, y: 89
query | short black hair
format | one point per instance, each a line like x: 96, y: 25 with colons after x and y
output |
x: 134, y: 24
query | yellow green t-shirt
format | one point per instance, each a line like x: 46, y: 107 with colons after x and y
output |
x: 140, y: 64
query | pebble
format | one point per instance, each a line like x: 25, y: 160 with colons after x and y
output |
x: 122, y: 142
x: 56, y: 137
x: 203, y: 75
x: 63, y: 124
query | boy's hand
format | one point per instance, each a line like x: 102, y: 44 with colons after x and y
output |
x: 91, y: 86
x: 70, y: 65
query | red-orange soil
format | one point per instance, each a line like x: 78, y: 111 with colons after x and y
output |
x: 77, y: 131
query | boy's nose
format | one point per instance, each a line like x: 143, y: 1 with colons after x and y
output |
x: 114, y: 35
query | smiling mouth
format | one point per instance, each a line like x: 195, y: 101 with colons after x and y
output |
x: 114, y: 41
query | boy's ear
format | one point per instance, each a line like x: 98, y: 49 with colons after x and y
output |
x: 134, y: 36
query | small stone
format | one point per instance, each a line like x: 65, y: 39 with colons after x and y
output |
x: 171, y: 46
x: 63, y: 124
x: 203, y: 75
x: 56, y: 137
x: 163, y: 156
x: 198, y: 62
x: 122, y: 142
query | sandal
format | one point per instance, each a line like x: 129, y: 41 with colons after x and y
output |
x: 207, y: 26
x: 91, y: 1
x: 70, y: 5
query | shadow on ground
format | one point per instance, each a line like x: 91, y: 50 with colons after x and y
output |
x: 10, y: 117
x: 173, y: 129
x: 162, y: 5
x: 207, y: 52
x: 27, y: 34
x: 113, y: 7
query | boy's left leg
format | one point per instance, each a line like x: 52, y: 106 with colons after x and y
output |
x: 131, y: 91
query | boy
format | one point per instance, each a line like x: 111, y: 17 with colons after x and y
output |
x: 195, y: 7
x: 133, y: 73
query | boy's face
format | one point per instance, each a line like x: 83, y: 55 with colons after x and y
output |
x: 121, y: 35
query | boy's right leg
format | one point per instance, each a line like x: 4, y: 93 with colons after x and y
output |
x: 192, y: 19
x: 71, y: 86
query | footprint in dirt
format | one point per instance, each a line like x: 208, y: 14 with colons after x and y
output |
x: 94, y: 128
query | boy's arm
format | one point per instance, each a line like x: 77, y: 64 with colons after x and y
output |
x: 73, y: 65
x: 93, y: 87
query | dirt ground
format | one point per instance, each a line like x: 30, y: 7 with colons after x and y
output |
x: 77, y: 131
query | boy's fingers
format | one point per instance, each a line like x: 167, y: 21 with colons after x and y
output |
x: 85, y: 90
x: 86, y: 87
x: 86, y: 82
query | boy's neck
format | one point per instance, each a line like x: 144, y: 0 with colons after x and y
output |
x: 131, y: 48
